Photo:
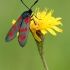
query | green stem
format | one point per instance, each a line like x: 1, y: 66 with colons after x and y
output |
x: 41, y: 51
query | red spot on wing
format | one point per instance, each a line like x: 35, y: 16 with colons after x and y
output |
x: 14, y: 27
x: 10, y: 34
x: 27, y: 20
x: 24, y: 29
x: 19, y: 18
x: 22, y: 38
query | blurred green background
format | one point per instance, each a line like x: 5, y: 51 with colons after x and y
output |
x: 56, y: 49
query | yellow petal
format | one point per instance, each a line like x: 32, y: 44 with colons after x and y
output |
x: 52, y: 32
x: 59, y: 18
x: 17, y: 33
x: 42, y: 15
x: 57, y: 29
x: 44, y: 31
x: 13, y: 21
x: 36, y: 36
x: 58, y: 23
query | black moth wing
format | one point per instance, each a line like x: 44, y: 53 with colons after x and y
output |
x: 23, y: 32
x: 14, y: 29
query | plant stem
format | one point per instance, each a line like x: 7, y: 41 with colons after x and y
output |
x: 44, y: 61
x: 41, y: 50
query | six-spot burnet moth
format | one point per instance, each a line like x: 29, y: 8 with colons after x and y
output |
x: 22, y: 26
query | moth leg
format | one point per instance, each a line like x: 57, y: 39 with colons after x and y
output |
x: 34, y: 21
x: 35, y: 16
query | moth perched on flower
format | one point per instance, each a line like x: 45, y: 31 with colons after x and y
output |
x: 43, y: 22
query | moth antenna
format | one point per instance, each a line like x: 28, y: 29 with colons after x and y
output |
x: 34, y: 3
x: 24, y: 4
x: 31, y: 6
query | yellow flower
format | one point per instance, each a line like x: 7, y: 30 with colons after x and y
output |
x: 45, y: 23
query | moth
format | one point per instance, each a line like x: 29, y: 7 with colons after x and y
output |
x: 22, y: 26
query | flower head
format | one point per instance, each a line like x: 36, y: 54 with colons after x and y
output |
x: 44, y: 22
